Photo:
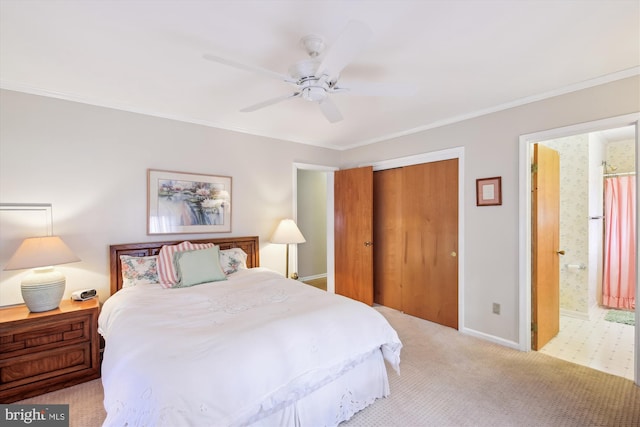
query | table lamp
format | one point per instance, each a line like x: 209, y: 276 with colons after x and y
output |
x: 288, y: 233
x: 42, y: 290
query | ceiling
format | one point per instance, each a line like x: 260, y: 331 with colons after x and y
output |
x: 462, y: 58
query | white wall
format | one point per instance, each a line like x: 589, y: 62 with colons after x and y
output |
x: 312, y: 221
x: 597, y: 155
x: 491, y: 144
x: 91, y: 164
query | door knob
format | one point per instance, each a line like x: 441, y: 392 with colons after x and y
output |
x: 454, y: 254
x: 560, y: 252
x: 368, y: 244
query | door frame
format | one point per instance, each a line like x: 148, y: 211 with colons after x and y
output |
x: 524, y: 232
x: 434, y: 156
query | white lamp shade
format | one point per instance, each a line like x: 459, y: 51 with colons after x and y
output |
x: 41, y: 252
x: 42, y: 290
x: 287, y: 232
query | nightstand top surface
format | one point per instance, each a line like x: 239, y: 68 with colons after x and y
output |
x: 21, y: 312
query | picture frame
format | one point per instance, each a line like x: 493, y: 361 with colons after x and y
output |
x: 489, y: 191
x: 21, y: 220
x: 183, y: 203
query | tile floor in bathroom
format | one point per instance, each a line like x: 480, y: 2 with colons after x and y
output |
x: 596, y: 343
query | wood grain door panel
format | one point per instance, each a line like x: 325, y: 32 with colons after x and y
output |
x: 416, y: 235
x: 388, y: 236
x: 430, y: 270
x: 545, y: 263
x: 354, y: 233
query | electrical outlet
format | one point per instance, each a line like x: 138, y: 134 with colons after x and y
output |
x: 496, y: 308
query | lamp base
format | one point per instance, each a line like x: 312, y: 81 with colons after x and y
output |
x: 42, y: 290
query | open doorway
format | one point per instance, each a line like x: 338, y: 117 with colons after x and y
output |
x: 593, y: 332
x: 313, y: 212
x: 571, y: 266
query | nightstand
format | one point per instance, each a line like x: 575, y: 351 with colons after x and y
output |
x: 42, y: 352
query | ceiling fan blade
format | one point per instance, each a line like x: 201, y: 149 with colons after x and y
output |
x: 330, y: 110
x: 269, y: 102
x: 374, y: 89
x: 348, y: 44
x: 252, y: 68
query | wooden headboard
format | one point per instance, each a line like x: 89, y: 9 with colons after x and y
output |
x: 250, y: 245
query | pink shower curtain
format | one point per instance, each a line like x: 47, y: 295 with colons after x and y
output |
x: 619, y: 284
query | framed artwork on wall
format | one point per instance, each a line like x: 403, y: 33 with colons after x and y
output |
x: 489, y: 191
x: 21, y: 220
x: 180, y: 202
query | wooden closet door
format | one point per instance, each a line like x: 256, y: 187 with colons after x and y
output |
x: 430, y: 217
x: 388, y: 236
x: 353, y: 233
x: 416, y: 234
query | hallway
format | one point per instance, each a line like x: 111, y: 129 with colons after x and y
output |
x: 597, y: 343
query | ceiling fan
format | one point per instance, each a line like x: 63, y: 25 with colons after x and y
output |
x: 316, y: 78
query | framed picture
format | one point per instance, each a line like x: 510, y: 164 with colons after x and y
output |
x: 489, y: 191
x: 179, y: 202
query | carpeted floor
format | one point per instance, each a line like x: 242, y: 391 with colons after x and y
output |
x: 450, y: 379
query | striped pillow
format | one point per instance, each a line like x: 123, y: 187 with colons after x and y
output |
x: 166, y: 269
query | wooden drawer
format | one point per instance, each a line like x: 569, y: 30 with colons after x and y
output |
x: 43, y: 334
x: 42, y: 352
x: 39, y: 366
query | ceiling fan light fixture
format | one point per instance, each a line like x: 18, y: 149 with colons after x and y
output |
x: 315, y: 78
x: 305, y: 69
x: 314, y: 93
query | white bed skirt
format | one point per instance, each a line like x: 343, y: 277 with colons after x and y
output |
x: 336, y: 401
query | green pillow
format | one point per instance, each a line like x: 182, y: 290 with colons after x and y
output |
x: 198, y: 266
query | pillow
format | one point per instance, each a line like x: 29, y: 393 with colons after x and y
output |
x: 138, y: 270
x: 198, y: 266
x: 232, y: 260
x: 166, y: 269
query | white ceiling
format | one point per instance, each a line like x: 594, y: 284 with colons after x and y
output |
x: 465, y: 58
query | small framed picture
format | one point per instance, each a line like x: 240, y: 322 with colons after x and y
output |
x: 179, y: 202
x: 489, y: 191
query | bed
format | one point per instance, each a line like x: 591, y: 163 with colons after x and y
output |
x: 250, y: 348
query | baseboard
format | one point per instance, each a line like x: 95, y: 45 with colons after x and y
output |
x: 492, y: 338
x: 574, y: 314
x: 313, y: 277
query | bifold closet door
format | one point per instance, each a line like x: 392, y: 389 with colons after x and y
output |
x: 430, y: 270
x: 388, y: 236
x: 416, y: 234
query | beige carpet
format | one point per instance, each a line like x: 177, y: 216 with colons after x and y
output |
x: 450, y: 379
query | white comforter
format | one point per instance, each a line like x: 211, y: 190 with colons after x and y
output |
x: 230, y: 352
